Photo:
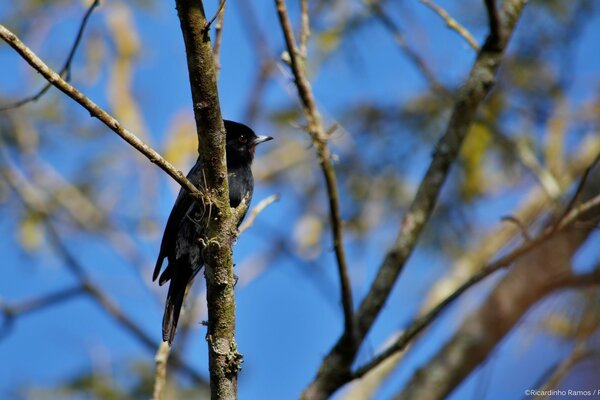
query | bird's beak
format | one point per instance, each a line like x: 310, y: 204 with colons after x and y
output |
x: 260, y: 139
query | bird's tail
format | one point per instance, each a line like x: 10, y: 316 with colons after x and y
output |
x: 175, y: 296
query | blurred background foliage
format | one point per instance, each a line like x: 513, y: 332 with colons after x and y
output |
x: 385, y: 74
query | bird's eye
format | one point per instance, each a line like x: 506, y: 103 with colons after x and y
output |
x: 242, y: 139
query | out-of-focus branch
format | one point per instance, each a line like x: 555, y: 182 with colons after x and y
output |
x: 29, y: 199
x: 208, y: 23
x: 534, y: 204
x: 503, y: 262
x: 580, y: 353
x: 318, y: 135
x: 414, y: 57
x: 264, y: 203
x: 160, y: 376
x: 266, y: 62
x: 335, y: 370
x: 97, y: 112
x: 452, y: 23
x: 304, y: 29
x: 218, y: 37
x: 10, y: 312
x: 65, y: 71
x: 541, y: 271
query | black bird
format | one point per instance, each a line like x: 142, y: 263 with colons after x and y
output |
x: 181, y: 243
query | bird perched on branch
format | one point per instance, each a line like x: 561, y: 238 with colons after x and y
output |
x: 182, y: 242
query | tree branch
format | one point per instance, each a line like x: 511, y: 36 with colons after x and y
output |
x: 452, y: 23
x: 318, y: 136
x: 24, y: 192
x: 224, y: 359
x: 264, y: 203
x: 219, y: 37
x: 97, y: 112
x: 503, y: 262
x: 160, y: 375
x: 389, y: 24
x: 65, y: 71
x: 335, y: 369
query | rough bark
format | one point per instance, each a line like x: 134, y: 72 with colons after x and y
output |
x: 224, y: 360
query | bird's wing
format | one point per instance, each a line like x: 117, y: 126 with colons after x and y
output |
x: 182, y: 206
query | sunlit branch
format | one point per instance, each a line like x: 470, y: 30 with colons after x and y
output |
x: 65, y: 71
x: 219, y: 37
x: 318, y: 136
x: 452, y: 23
x: 160, y: 375
x: 414, y: 57
x: 335, y: 370
x: 264, y: 203
x: 97, y: 111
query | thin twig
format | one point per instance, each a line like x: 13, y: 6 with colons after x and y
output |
x: 495, y: 36
x: 218, y: 38
x: 264, y: 203
x: 452, y: 23
x: 98, y: 112
x: 160, y: 376
x: 335, y: 369
x: 214, y: 17
x: 11, y: 312
x: 580, y: 186
x: 408, y: 51
x: 421, y: 323
x: 65, y: 71
x: 317, y: 133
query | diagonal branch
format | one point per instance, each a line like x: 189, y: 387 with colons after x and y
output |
x: 414, y: 57
x: 65, y: 71
x: 318, y: 136
x: 22, y: 188
x: 452, y: 23
x: 335, y: 369
x: 503, y: 262
x: 264, y: 203
x: 96, y: 111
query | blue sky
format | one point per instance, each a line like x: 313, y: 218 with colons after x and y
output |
x: 284, y: 324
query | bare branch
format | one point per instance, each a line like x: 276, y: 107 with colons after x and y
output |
x: 22, y: 189
x: 411, y: 53
x: 264, y: 203
x: 489, y: 269
x: 219, y: 36
x: 335, y: 370
x: 65, y: 71
x: 578, y: 191
x: 160, y: 376
x: 10, y: 312
x: 97, y: 112
x: 522, y: 227
x: 317, y: 133
x: 214, y: 17
x: 452, y: 23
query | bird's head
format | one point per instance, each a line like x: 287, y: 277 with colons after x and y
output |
x: 241, y: 142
